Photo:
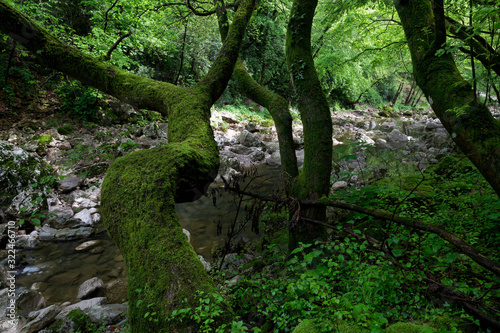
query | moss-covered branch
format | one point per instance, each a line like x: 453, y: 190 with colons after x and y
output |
x: 53, y: 53
x: 459, y: 243
x: 276, y: 104
x: 470, y: 125
x: 314, y: 181
x: 222, y: 69
x: 139, y: 193
x: 140, y: 189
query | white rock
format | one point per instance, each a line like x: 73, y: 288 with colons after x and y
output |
x: 205, y: 263
x: 339, y: 185
x: 188, y: 234
x: 41, y: 318
x: 96, y: 218
x: 89, y: 287
x: 87, y: 245
x: 83, y: 203
x: 84, y: 216
x: 86, y: 304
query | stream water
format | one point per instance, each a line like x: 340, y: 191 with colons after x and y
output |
x: 57, y: 269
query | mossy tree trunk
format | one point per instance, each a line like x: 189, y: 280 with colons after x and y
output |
x: 470, y: 124
x: 276, y: 104
x: 140, y: 189
x: 314, y: 180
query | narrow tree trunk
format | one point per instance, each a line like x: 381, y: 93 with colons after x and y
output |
x: 276, y: 104
x: 182, y: 53
x: 470, y: 124
x: 314, y: 181
x: 400, y: 88
x: 410, y: 94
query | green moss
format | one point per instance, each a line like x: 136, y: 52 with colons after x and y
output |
x: 138, y: 197
x: 316, y: 326
x: 408, y: 328
x: 56, y: 326
x: 45, y: 139
x: 451, y: 323
x: 65, y: 129
x: 82, y: 322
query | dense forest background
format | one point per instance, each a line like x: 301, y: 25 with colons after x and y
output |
x: 397, y: 256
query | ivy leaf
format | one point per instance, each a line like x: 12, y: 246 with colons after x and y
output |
x: 397, y: 252
x: 450, y: 257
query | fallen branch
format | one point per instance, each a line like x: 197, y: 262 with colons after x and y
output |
x: 459, y: 243
x: 468, y: 303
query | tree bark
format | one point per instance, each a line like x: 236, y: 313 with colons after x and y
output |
x: 140, y: 189
x: 276, y: 104
x: 471, y: 125
x: 314, y: 180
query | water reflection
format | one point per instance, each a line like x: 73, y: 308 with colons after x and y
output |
x: 57, y: 269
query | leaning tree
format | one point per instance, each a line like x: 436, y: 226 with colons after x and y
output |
x: 140, y: 189
x: 469, y: 123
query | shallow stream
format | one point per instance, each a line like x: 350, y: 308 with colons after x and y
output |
x: 57, y: 269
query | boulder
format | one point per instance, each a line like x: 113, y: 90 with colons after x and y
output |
x: 339, y: 185
x: 90, y: 287
x: 163, y: 131
x: 28, y: 301
x: 150, y: 131
x: 240, y: 149
x: 396, y: 139
x: 85, y: 246
x: 83, y: 305
x: 40, y: 319
x: 116, y: 291
x: 432, y: 125
x: 50, y: 234
x: 122, y: 110
x: 247, y: 139
x: 19, y: 171
x: 69, y: 183
x: 96, y: 218
x: 60, y: 217
x: 85, y: 216
x: 257, y: 156
x: 107, y: 314
x: 363, y: 138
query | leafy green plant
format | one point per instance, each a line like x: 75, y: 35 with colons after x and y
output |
x: 38, y: 213
x: 78, y: 100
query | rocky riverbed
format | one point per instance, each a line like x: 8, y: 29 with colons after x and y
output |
x: 50, y: 178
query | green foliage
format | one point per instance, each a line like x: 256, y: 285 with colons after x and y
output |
x: 83, y: 323
x: 106, y: 151
x: 39, y: 203
x: 338, y: 284
x: 78, y: 100
x: 355, y: 58
x: 249, y: 113
x: 206, y: 314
